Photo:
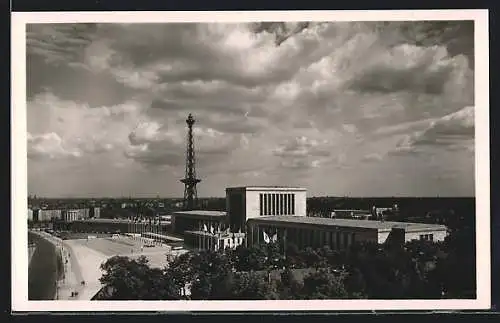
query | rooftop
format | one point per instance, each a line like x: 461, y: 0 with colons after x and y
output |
x: 264, y: 187
x: 202, y: 213
x: 368, y: 224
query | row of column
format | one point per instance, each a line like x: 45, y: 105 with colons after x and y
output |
x: 277, y: 203
x: 303, y: 237
x: 207, y: 242
x: 141, y: 228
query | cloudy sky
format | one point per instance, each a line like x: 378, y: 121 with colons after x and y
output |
x: 359, y: 109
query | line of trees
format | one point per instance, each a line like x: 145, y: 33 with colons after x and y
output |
x: 416, y: 270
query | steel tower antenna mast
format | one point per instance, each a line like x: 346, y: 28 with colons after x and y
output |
x: 190, y: 180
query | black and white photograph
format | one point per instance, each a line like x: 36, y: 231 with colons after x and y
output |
x: 285, y: 161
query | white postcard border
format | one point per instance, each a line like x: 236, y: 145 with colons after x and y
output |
x: 19, y: 259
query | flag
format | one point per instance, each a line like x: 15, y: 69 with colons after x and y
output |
x: 275, y: 237
x: 205, y: 229
x: 211, y: 229
x: 266, y: 237
x: 239, y: 230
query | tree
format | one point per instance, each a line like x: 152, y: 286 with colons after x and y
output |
x: 212, y: 269
x: 289, y: 286
x: 251, y: 258
x: 323, y: 284
x: 134, y: 280
x: 309, y: 257
x: 181, y: 271
x: 253, y: 286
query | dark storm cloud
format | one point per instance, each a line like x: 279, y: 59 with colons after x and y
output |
x: 281, y: 30
x: 76, y: 84
x: 387, y: 79
x: 59, y: 43
x: 194, y: 53
x: 457, y: 36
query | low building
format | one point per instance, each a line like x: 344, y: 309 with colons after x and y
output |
x: 351, y: 214
x: 339, y: 233
x: 72, y: 215
x: 198, y: 220
x: 113, y: 225
x: 250, y: 202
x: 47, y: 215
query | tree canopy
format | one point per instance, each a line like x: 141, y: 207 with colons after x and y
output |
x: 415, y: 270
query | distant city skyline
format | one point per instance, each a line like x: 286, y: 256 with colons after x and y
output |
x: 343, y: 109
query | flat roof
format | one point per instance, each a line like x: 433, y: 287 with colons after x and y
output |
x: 353, y: 223
x: 266, y: 188
x: 202, y: 213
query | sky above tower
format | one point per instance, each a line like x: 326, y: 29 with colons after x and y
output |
x: 346, y: 108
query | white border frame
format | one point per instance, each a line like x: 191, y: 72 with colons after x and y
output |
x: 19, y: 289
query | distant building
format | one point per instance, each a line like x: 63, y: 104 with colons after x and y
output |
x: 46, y: 215
x: 351, y: 214
x: 75, y: 214
x: 30, y: 215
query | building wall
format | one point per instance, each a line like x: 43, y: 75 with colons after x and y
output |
x: 249, y: 203
x: 438, y: 235
x: 75, y: 214
x: 275, y: 203
x: 314, y: 236
x: 188, y: 222
x: 236, y: 208
x: 49, y: 214
x: 253, y: 204
x: 300, y: 203
x: 382, y: 236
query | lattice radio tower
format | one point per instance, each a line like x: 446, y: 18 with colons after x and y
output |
x: 190, y: 180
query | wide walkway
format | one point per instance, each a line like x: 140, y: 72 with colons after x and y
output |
x: 82, y: 261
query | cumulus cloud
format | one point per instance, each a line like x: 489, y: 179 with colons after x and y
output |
x: 268, y: 97
x: 48, y: 146
x: 81, y: 128
x: 153, y: 144
x: 302, y: 152
x: 372, y: 157
x: 406, y: 68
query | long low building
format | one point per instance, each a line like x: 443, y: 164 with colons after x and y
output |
x: 198, y: 220
x: 111, y: 225
x: 339, y: 233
